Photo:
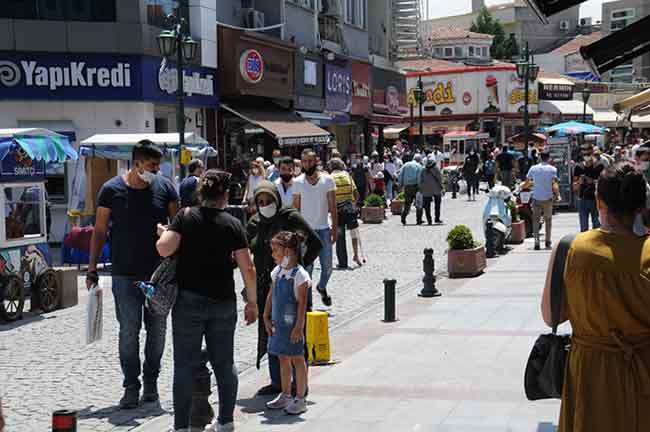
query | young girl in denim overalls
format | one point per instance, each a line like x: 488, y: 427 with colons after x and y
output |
x: 284, y: 319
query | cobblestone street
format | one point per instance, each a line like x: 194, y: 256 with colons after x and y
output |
x: 45, y: 365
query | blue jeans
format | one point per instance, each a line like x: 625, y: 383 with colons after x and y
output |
x: 130, y: 310
x: 586, y: 208
x: 325, y: 258
x: 193, y: 318
x: 389, y: 189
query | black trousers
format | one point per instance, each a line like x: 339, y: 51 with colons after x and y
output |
x: 426, y: 206
x: 409, y: 192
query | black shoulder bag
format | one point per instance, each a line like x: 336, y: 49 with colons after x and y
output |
x: 544, y: 374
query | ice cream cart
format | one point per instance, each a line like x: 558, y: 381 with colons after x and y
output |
x: 25, y: 261
x: 104, y: 156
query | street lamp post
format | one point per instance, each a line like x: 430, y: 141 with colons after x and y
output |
x: 527, y: 71
x: 411, y: 105
x: 177, y: 40
x: 420, y: 99
x: 586, y: 94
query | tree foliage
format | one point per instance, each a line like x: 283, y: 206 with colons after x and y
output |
x: 503, y: 46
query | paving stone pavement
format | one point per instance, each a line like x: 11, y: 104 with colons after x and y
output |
x: 44, y: 364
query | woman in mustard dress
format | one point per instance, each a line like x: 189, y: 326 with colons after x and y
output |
x: 607, y: 302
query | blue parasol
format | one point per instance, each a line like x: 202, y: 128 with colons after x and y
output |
x: 46, y: 148
x: 574, y: 128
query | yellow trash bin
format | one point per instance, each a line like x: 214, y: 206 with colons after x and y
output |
x: 318, y: 339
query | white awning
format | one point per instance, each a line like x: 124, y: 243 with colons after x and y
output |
x: 314, y: 115
x: 633, y: 101
x: 4, y: 133
x: 572, y: 107
x: 640, y: 120
x: 393, y: 131
x: 606, y: 118
x: 161, y: 139
x: 560, y: 81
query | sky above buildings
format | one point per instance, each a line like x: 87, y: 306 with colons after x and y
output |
x: 441, y: 8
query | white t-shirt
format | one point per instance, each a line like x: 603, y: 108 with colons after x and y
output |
x: 253, y: 181
x: 314, y: 205
x: 287, y: 196
x: 300, y: 278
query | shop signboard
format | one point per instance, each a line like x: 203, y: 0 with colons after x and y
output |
x: 473, y: 91
x: 361, y: 88
x: 555, y: 91
x: 101, y: 77
x: 560, y: 152
x: 338, y: 88
x: 18, y: 166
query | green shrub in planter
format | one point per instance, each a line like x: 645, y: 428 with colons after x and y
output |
x: 374, y: 200
x: 514, y: 213
x: 400, y: 197
x: 461, y: 238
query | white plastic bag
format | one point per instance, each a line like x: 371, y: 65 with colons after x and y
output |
x: 94, y: 315
x: 419, y: 200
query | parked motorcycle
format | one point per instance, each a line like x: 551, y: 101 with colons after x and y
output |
x: 497, y: 220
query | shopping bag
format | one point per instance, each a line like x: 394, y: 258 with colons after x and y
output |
x: 419, y: 200
x: 94, y: 315
x: 462, y: 186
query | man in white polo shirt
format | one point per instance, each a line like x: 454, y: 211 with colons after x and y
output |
x: 543, y: 178
x: 314, y: 195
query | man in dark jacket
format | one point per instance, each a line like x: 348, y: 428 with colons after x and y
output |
x: 269, y: 220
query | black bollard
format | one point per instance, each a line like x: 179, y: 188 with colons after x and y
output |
x: 429, y: 279
x: 389, y: 300
x: 64, y: 421
x: 201, y: 412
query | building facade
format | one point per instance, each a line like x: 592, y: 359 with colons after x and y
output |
x: 519, y: 20
x: 92, y: 66
x: 617, y: 15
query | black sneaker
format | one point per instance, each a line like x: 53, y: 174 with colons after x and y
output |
x: 150, y: 392
x: 438, y: 221
x: 548, y: 245
x: 327, y: 300
x: 269, y: 390
x: 403, y: 221
x: 131, y: 398
x: 536, y: 246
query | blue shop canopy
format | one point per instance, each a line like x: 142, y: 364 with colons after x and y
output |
x: 38, y: 144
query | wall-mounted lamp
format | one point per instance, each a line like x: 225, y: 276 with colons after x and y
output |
x: 330, y: 56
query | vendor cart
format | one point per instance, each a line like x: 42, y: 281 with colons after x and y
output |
x: 457, y: 144
x: 105, y: 156
x: 25, y: 260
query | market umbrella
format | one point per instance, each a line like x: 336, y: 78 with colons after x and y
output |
x: 574, y: 128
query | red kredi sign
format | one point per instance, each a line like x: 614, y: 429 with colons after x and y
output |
x: 251, y: 66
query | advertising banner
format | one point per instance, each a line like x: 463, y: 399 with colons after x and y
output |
x: 484, y: 90
x: 338, y: 88
x: 100, y: 77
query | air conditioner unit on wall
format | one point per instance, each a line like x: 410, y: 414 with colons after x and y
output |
x: 564, y: 25
x: 585, y: 22
x: 251, y: 18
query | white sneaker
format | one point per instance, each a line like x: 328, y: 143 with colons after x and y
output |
x: 215, y: 426
x: 297, y: 406
x: 280, y: 402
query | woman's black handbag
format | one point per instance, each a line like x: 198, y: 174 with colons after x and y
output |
x: 165, y: 286
x: 544, y: 376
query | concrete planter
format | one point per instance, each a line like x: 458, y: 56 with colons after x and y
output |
x: 518, y: 233
x: 466, y: 262
x: 396, y: 207
x: 372, y: 214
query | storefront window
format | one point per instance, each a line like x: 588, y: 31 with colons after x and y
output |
x: 59, y: 10
x: 157, y: 10
x: 24, y: 208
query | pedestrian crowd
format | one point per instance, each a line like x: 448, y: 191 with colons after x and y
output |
x: 297, y: 211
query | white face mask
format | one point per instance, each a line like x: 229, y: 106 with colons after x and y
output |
x: 644, y: 165
x: 269, y: 211
x: 285, y: 262
x: 147, y: 176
